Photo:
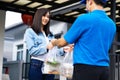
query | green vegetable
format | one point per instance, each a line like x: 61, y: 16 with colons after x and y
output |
x: 54, y: 63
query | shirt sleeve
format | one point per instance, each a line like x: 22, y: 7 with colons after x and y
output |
x: 34, y: 46
x: 76, y: 30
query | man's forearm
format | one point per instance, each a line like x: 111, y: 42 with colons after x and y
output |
x: 59, y: 42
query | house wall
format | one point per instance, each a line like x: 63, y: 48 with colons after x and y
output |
x: 8, y: 49
x: 12, y: 38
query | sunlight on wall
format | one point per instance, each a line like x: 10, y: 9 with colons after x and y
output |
x: 12, y: 18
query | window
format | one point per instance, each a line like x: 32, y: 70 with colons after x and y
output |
x: 20, y: 52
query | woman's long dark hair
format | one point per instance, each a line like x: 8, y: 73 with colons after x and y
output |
x: 37, y: 21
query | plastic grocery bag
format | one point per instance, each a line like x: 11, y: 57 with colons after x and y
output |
x: 66, y: 68
x: 52, y: 63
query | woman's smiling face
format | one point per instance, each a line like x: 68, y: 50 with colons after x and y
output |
x: 45, y: 18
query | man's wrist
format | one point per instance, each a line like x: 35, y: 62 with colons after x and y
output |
x: 53, y: 43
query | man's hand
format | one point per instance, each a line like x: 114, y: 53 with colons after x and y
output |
x: 68, y: 48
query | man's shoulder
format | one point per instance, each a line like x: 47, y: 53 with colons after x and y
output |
x: 85, y: 17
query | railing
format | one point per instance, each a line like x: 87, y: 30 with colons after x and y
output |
x: 117, y: 67
x: 25, y: 70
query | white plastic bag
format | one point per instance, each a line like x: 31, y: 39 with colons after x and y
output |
x: 66, y: 68
x: 52, y: 63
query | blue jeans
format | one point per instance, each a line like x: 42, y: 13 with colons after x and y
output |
x: 35, y: 72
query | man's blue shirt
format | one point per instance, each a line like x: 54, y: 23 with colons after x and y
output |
x: 92, y: 35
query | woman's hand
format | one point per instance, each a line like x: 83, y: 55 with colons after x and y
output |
x: 50, y: 46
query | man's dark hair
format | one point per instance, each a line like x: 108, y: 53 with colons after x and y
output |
x: 100, y: 2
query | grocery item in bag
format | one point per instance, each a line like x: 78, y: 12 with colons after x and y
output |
x: 52, y: 63
x: 66, y: 68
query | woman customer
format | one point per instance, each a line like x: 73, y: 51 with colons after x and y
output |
x: 37, y: 37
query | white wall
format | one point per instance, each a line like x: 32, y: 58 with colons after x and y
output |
x: 12, y: 38
x: 58, y: 27
x: 8, y: 49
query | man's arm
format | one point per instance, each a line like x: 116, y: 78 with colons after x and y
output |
x: 59, y: 42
